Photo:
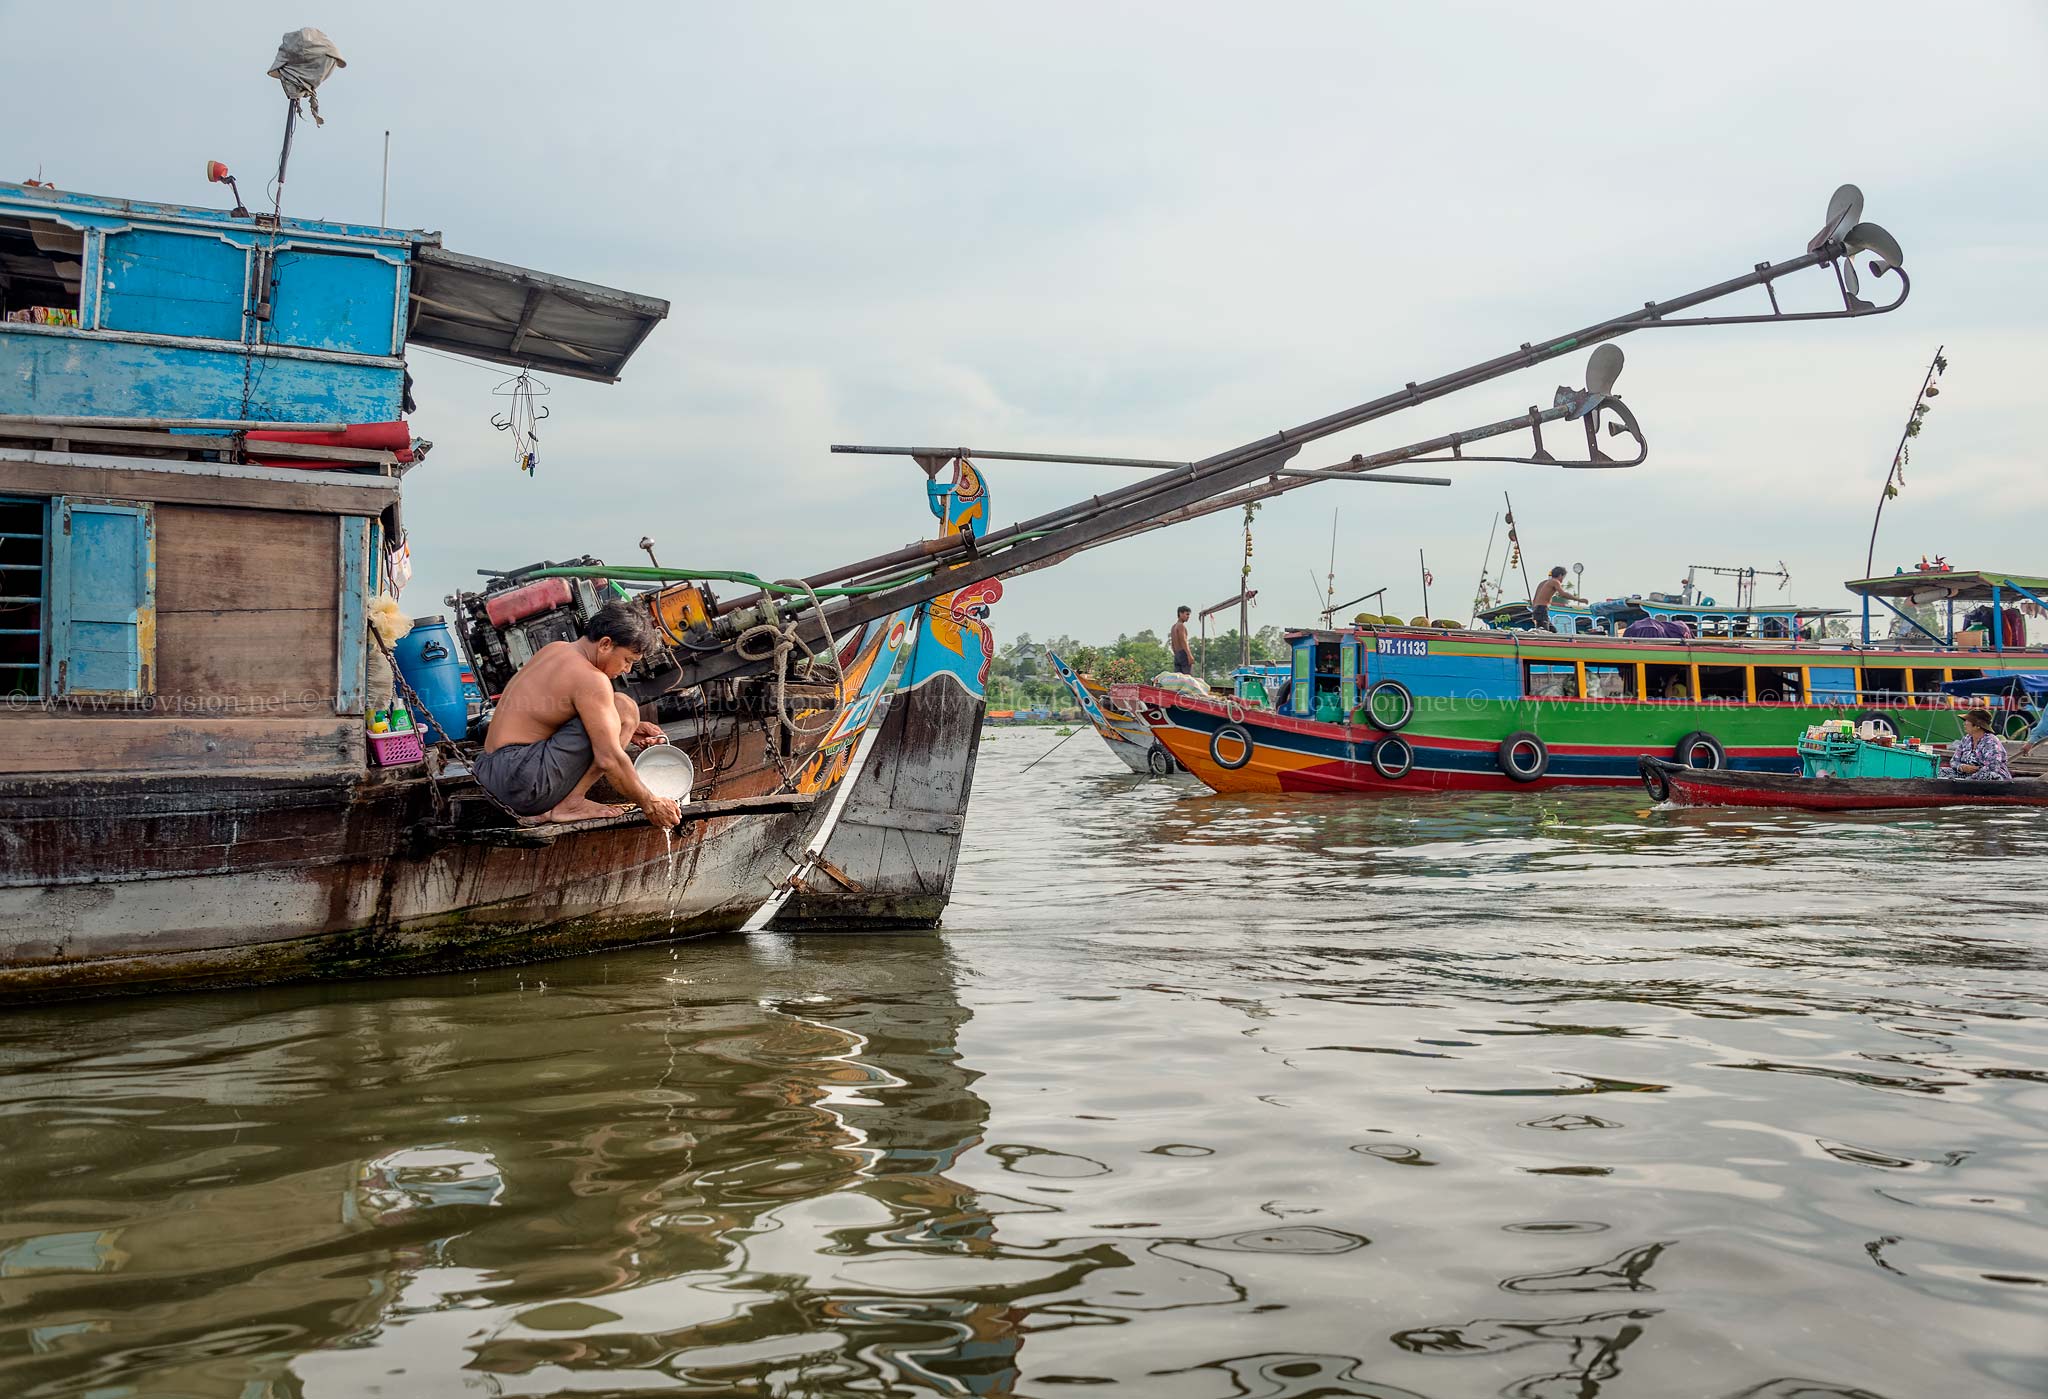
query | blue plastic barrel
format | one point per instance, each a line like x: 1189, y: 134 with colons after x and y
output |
x: 428, y: 660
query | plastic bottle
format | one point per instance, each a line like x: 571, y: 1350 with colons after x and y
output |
x: 401, y: 719
x: 380, y: 722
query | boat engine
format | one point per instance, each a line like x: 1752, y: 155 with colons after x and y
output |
x: 503, y: 626
x: 513, y: 617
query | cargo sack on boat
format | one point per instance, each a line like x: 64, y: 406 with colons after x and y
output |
x: 1181, y: 684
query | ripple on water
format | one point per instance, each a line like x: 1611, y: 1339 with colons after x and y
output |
x: 1121, y: 1125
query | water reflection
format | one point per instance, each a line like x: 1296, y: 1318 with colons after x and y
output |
x: 1587, y: 1347
x: 627, y: 1174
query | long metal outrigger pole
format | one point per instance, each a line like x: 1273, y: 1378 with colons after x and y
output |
x: 1586, y: 403
x: 1097, y: 519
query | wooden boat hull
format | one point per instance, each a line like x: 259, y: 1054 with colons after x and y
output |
x: 890, y: 857
x: 1684, y: 786
x: 1125, y: 735
x: 180, y: 881
x: 1285, y: 754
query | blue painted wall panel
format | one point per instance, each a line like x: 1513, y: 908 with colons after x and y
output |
x: 166, y: 283
x: 351, y: 633
x: 1478, y: 677
x: 334, y: 301
x: 99, y: 376
x: 1833, y: 683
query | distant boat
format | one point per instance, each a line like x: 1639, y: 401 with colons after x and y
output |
x: 1126, y: 735
x: 1387, y: 709
x: 1684, y: 786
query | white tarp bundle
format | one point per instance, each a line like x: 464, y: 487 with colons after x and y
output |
x: 304, y: 59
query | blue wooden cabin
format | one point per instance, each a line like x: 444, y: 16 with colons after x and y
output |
x: 165, y: 599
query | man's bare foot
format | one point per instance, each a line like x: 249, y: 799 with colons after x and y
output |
x: 582, y: 809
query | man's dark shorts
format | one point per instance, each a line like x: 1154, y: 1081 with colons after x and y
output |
x: 533, y: 778
x: 1184, y: 663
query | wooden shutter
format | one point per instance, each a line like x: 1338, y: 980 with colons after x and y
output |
x: 102, y: 599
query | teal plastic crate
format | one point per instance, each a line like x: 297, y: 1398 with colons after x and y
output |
x: 1844, y: 755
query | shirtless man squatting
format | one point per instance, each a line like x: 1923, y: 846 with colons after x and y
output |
x: 560, y: 726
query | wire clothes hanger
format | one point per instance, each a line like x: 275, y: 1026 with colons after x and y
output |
x: 522, y: 417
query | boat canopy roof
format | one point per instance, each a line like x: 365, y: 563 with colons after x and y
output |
x: 1948, y: 585
x: 2034, y: 686
x: 491, y: 310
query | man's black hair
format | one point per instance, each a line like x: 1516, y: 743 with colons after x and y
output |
x: 623, y: 625
x: 1184, y: 608
x: 1557, y: 572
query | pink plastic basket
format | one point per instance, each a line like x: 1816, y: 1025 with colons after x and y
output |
x: 396, y: 750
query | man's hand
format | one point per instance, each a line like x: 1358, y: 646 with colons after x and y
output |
x: 646, y: 734
x: 663, y: 813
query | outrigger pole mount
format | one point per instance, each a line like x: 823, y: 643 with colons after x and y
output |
x: 920, y: 572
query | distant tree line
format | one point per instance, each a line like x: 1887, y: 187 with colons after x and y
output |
x: 1020, y: 677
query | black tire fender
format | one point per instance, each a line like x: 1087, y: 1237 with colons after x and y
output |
x: 1158, y: 761
x: 1694, y: 744
x: 1654, y: 780
x: 2019, y: 723
x: 1523, y: 742
x: 1387, y: 687
x: 1238, y: 732
x: 1395, y: 765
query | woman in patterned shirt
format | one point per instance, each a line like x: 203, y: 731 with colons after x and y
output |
x: 1978, y: 755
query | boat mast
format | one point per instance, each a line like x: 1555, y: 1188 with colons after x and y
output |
x: 1485, y: 562
x: 1928, y: 389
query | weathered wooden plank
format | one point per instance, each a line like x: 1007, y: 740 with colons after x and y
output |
x: 194, y: 483
x: 212, y: 560
x: 110, y: 743
x: 118, y: 437
x: 351, y: 640
x: 193, y: 442
x: 316, y: 451
x: 232, y: 662
x: 160, y: 424
x: 543, y: 834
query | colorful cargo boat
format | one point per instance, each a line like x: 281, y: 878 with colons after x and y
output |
x: 1403, y: 709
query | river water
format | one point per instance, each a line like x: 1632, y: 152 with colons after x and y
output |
x: 1539, y: 1096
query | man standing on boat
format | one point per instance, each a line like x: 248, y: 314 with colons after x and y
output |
x: 1548, y: 591
x: 559, y: 726
x: 1183, y: 659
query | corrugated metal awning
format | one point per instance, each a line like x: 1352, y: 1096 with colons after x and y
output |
x: 1957, y: 585
x: 489, y: 310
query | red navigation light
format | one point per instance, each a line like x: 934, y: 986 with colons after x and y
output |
x: 216, y: 172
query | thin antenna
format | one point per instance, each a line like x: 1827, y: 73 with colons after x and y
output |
x: 1423, y: 563
x: 384, y: 186
x: 1330, y: 582
x: 1485, y: 564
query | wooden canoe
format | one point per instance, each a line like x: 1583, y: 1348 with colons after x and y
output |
x: 1687, y: 786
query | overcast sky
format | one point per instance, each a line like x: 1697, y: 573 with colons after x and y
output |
x: 1157, y: 231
